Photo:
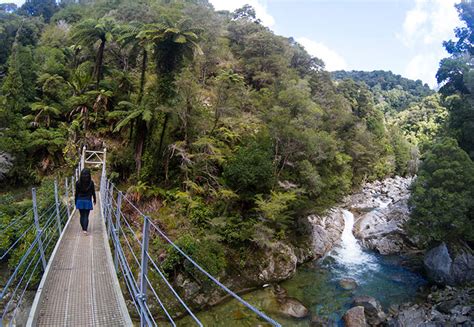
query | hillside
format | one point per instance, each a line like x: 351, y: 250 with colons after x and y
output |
x: 227, y: 135
x: 392, y: 92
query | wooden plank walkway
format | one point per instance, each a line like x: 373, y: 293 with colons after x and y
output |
x: 81, y: 287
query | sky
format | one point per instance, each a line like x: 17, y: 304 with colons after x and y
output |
x: 404, y: 36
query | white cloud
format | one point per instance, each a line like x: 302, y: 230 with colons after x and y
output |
x: 424, y: 67
x: 259, y: 6
x: 426, y: 26
x: 17, y: 2
x: 331, y: 58
x: 429, y: 22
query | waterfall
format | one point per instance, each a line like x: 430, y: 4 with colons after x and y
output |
x: 349, y: 253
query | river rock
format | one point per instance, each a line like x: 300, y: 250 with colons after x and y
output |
x: 409, y: 317
x: 382, y: 210
x: 348, y: 283
x: 372, y: 308
x: 355, y: 317
x: 275, y: 263
x: 279, y: 263
x: 326, y: 231
x: 443, y: 306
x: 289, y: 306
x: 292, y: 307
x: 382, y: 229
x: 373, y: 195
x: 450, y: 265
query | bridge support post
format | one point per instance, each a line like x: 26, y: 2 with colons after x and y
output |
x: 109, y: 213
x: 104, y: 183
x: 83, y: 158
x: 56, y: 200
x: 118, y: 212
x: 144, y: 271
x: 106, y: 200
x: 66, y: 194
x: 104, y: 158
x: 38, y: 229
x: 73, y: 187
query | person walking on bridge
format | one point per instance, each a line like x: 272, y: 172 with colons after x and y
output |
x: 85, y: 192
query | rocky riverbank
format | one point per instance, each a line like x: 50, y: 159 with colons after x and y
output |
x: 445, y: 306
x: 381, y: 210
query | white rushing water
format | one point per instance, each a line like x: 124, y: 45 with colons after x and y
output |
x: 350, y: 254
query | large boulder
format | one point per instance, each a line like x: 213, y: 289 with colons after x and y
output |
x: 383, y: 229
x: 275, y: 263
x: 450, y: 265
x: 381, y: 210
x: 326, y: 231
x: 355, y: 317
x: 6, y: 163
x: 293, y: 308
x: 287, y: 305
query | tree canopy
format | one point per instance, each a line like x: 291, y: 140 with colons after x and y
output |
x: 229, y: 133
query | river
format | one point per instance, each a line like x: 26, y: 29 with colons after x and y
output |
x: 316, y: 285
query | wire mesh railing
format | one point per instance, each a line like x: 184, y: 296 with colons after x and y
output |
x: 153, y: 295
x: 37, y: 230
x: 27, y: 243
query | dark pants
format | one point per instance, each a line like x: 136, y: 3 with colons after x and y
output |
x: 84, y: 218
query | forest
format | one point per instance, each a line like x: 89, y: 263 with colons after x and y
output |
x: 226, y: 133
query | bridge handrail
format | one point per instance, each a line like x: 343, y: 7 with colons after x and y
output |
x: 112, y: 210
x: 48, y: 223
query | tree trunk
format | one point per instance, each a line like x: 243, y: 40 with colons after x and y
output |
x: 140, y: 97
x: 98, y: 64
x: 163, y: 131
x: 142, y: 76
x: 86, y: 121
x: 130, y: 136
x: 189, y: 108
x: 142, y: 132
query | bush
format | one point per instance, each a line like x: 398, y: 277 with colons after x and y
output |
x: 250, y: 170
x: 122, y: 162
x: 209, y: 254
x: 442, y: 199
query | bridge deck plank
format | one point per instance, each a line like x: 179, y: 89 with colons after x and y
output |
x: 81, y: 288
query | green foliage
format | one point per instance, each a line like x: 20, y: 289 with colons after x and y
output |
x: 230, y: 130
x: 393, y: 93
x: 276, y: 207
x: 402, y: 152
x: 457, y: 79
x: 208, y: 254
x: 122, y: 163
x: 200, y: 214
x: 443, y: 195
x: 250, y: 170
x: 43, y: 8
x: 423, y: 121
x: 19, y: 85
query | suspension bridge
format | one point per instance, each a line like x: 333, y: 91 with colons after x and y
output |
x: 102, y: 279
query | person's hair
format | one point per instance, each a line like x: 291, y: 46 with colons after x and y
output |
x: 85, y: 180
